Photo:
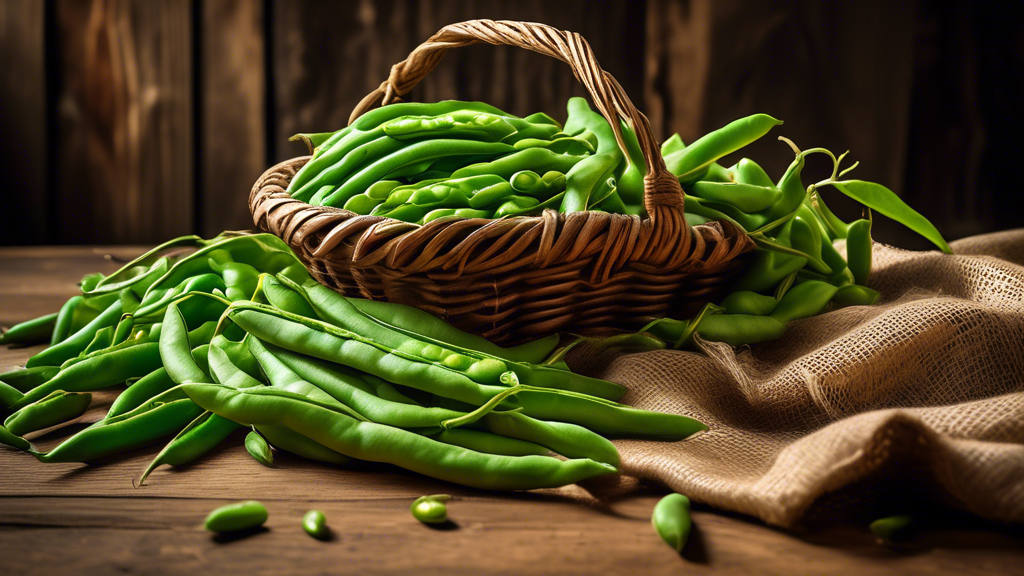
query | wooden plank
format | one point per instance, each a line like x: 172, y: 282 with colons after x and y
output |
x: 23, y: 123
x: 326, y: 57
x: 233, y: 132
x: 125, y: 139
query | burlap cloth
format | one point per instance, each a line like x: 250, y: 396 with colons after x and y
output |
x: 929, y: 384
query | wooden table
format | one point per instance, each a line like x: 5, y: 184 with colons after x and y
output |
x: 75, y: 518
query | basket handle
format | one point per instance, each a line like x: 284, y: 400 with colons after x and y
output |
x: 661, y: 188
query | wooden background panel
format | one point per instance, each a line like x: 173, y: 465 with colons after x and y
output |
x: 232, y: 89
x: 839, y: 77
x: 328, y: 55
x: 124, y: 120
x: 23, y: 122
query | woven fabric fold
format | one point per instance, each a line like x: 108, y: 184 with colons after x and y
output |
x: 931, y: 379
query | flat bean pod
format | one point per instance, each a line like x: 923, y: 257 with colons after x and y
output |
x: 374, y: 442
x: 56, y: 408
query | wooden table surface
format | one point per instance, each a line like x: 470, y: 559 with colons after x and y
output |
x: 76, y: 518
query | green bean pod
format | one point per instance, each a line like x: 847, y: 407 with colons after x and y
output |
x: 855, y: 295
x: 56, y: 408
x: 858, y: 250
x: 739, y: 329
x: 747, y: 198
x: 65, y: 318
x: 689, y: 163
x: 288, y: 440
x: 671, y: 520
x: 77, y: 342
x: 804, y: 300
x: 417, y: 152
x: 747, y: 302
x: 767, y: 269
x: 489, y: 443
x: 9, y: 395
x: 234, y: 517
x: 101, y: 371
x: 129, y: 431
x: 143, y: 390
x: 746, y: 171
x: 374, y: 442
x: 417, y: 323
x: 320, y: 340
x: 26, y: 379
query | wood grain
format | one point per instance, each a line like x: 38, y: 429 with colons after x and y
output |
x: 23, y: 122
x: 90, y: 519
x: 806, y: 63
x: 124, y: 125
x: 233, y: 131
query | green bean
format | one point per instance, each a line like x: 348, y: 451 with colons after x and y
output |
x: 672, y: 145
x: 689, y: 163
x: 588, y: 179
x: 738, y: 329
x: 489, y: 443
x: 858, y: 250
x: 746, y: 171
x: 126, y: 432
x: 487, y: 127
x: 13, y: 441
x: 62, y: 326
x: 745, y: 197
x: 569, y: 440
x: 600, y: 415
x: 767, y: 269
x: 56, y: 408
x: 283, y: 378
x: 855, y: 295
x: 483, y: 367
x: 430, y: 509
x: 374, y: 442
x: 284, y: 438
x: 747, y: 302
x: 892, y: 528
x: 176, y: 350
x: 805, y: 236
x: 235, y: 517
x: 417, y: 152
x: 348, y: 388
x: 101, y: 371
x: 315, y: 524
x: 103, y: 338
x: 671, y: 520
x: 258, y: 448
x: 416, y: 323
x: 804, y: 300
x: 722, y: 211
x: 149, y: 386
x: 9, y: 395
x: 792, y: 188
x: 77, y: 342
x: 141, y: 272
x: 26, y: 379
x: 536, y: 159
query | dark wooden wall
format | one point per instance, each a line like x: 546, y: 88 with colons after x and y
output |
x: 128, y: 121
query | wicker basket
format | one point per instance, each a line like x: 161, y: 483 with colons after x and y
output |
x: 515, y: 279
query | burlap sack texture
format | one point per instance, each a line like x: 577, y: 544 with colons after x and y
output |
x: 931, y: 379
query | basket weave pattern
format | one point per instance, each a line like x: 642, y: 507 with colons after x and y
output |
x: 514, y: 279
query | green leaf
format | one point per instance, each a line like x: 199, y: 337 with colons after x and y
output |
x: 886, y: 202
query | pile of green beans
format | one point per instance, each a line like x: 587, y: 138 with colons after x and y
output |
x: 216, y: 337
x: 420, y: 162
